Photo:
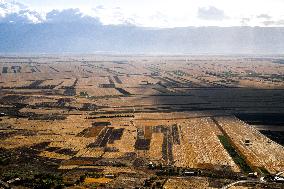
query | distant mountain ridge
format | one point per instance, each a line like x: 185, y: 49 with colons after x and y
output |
x: 23, y: 30
x: 89, y: 37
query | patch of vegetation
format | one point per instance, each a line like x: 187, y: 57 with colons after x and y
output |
x: 5, y: 70
x: 27, y: 169
x: 175, y: 134
x: 117, y: 80
x: 43, y: 181
x: 32, y: 178
x: 37, y: 181
x: 84, y: 94
x: 180, y: 73
x: 96, y: 124
x: 263, y: 171
x: 238, y: 159
x: 107, y: 85
x: 102, y: 139
x: 92, y: 175
x: 110, y: 116
x: 89, y: 107
x: 142, y: 144
x: 124, y: 92
x: 69, y: 91
x: 116, y: 135
x: 4, y: 160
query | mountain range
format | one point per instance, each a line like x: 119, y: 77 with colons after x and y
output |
x: 69, y: 31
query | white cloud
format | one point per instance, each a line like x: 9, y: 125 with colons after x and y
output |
x: 23, y: 16
x: 264, y: 16
x: 211, y: 13
x: 245, y: 21
x: 13, y: 12
x: 69, y: 16
x: 273, y: 22
x: 165, y: 13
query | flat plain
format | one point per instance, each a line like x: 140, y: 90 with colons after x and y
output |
x: 141, y: 121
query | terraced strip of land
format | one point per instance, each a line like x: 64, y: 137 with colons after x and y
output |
x: 200, y: 146
x: 258, y: 150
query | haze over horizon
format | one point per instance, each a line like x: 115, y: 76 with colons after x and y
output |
x: 195, y: 27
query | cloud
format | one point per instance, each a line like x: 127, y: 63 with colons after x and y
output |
x: 154, y: 16
x: 245, y: 21
x: 70, y: 16
x: 13, y: 12
x: 98, y: 9
x: 55, y: 16
x: 12, y: 6
x: 211, y: 13
x: 114, y: 16
x: 101, y: 7
x: 280, y: 22
x: 23, y: 16
x: 264, y: 16
x: 269, y: 22
x: 273, y: 22
x: 130, y: 22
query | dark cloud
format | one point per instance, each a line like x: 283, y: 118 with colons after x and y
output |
x: 265, y: 16
x: 211, y: 13
x: 70, y: 16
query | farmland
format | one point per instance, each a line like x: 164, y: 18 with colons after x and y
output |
x: 141, y: 121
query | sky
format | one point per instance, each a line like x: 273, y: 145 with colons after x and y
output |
x: 173, y: 13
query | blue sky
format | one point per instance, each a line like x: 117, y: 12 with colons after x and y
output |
x: 173, y: 13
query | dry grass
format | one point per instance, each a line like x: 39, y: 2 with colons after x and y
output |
x: 192, y: 183
x: 165, y: 91
x: 97, y: 180
x: 261, y: 151
x: 155, y: 152
x: 201, y: 147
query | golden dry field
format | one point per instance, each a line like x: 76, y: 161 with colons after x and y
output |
x: 112, y: 121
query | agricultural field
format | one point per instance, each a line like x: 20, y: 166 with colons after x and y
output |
x: 141, y: 121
